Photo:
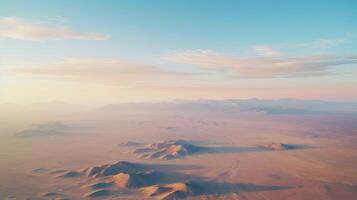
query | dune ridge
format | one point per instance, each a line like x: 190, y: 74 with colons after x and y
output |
x: 168, y: 150
x: 113, y: 169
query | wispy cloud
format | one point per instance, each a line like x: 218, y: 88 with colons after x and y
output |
x: 323, y: 43
x: 14, y: 28
x: 261, y: 66
x: 269, y: 51
x: 113, y: 72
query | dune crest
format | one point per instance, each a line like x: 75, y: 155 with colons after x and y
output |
x: 130, y: 143
x: 113, y: 169
x: 171, y: 191
x: 168, y: 150
x: 280, y: 146
x: 70, y: 174
x: 136, y: 180
x: 100, y: 193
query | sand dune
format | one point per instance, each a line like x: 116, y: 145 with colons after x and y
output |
x: 136, y: 180
x: 126, y: 175
x: 39, y: 170
x: 276, y: 146
x: 58, y: 171
x: 99, y: 185
x: 70, y: 174
x: 51, y: 195
x: 112, y: 169
x: 168, y: 150
x: 130, y: 143
x: 172, y: 191
x: 183, y: 190
x: 100, y: 193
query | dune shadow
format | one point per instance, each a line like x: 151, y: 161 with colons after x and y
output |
x: 227, y: 149
x: 299, y: 146
x: 233, y: 149
x: 217, y: 188
x: 170, y: 167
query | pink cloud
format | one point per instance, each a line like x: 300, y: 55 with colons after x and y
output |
x: 14, y: 28
x: 267, y: 51
x: 113, y: 72
x: 263, y: 66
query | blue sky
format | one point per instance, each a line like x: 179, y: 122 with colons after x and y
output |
x: 219, y: 38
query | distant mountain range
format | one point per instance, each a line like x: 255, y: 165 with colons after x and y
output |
x: 280, y: 106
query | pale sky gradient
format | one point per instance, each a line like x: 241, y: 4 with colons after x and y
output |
x: 98, y: 52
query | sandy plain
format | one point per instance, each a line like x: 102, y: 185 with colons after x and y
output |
x: 87, y: 137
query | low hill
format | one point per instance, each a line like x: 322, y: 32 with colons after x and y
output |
x: 167, y: 150
x: 136, y: 180
x: 113, y: 169
x: 172, y: 191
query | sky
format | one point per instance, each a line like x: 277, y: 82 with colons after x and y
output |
x: 99, y: 52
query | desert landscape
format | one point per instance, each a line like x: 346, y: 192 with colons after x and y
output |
x: 178, y: 99
x: 183, y: 150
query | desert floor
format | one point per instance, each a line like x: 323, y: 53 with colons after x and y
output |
x: 326, y: 169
